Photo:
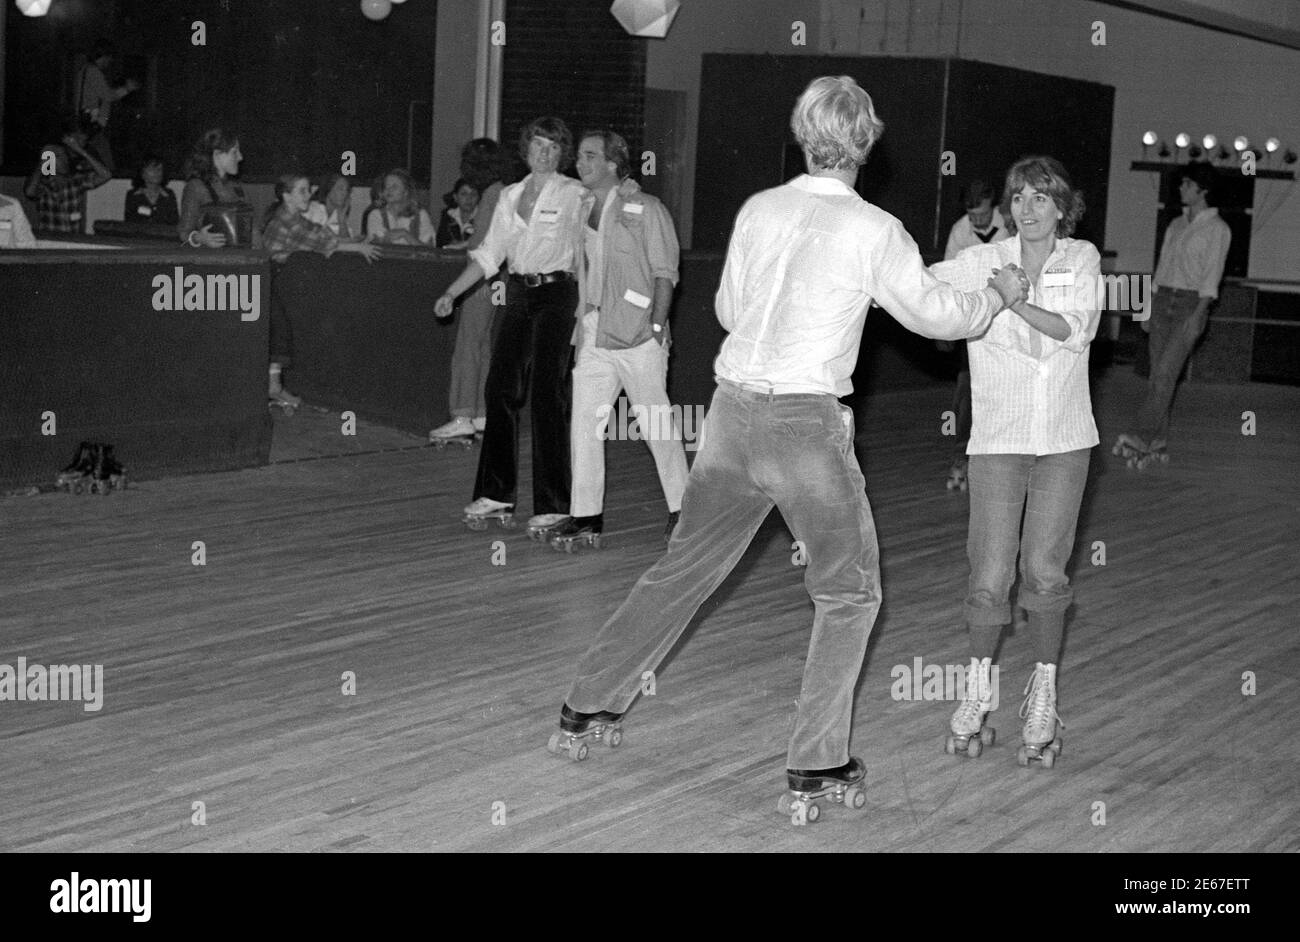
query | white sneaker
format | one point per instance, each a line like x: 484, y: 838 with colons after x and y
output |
x: 484, y: 506
x: 458, y: 427
x: 480, y: 423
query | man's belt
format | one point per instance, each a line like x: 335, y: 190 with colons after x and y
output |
x: 536, y: 281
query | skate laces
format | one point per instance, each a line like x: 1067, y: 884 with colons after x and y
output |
x: 1039, y: 707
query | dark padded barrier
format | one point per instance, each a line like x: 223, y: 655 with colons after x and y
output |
x: 364, y: 334
x: 365, y: 337
x: 172, y: 391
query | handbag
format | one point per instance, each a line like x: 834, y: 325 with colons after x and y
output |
x: 231, y: 218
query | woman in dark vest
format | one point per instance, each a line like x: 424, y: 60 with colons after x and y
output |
x: 208, y: 179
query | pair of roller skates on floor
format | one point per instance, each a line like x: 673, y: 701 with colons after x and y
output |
x: 93, y: 469
x: 1139, y: 454
x: 461, y: 430
x: 484, y: 509
x: 969, y: 733
x: 800, y: 803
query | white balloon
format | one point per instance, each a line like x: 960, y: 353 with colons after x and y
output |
x: 33, y: 7
x: 376, y: 9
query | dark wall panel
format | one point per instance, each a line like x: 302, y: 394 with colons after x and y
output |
x: 745, y: 105
x: 574, y: 61
x: 997, y: 115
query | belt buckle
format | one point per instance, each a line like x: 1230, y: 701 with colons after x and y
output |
x: 532, y: 281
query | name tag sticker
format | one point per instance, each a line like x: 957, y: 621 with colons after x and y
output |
x: 640, y: 300
x: 548, y: 215
x: 1058, y: 279
x: 144, y: 211
x: 5, y: 225
x: 636, y: 208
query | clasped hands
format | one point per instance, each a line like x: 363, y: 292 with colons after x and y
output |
x: 1011, y: 282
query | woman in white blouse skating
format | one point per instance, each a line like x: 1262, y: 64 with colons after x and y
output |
x: 1031, y: 436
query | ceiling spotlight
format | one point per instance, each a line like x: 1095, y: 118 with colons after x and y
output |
x: 1272, y: 144
x: 1182, y: 140
x: 1149, y: 138
x: 1239, y: 143
x: 1209, y: 141
x: 33, y: 7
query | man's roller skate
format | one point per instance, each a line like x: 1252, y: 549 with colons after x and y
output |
x: 541, y: 526
x: 484, y: 509
x: 673, y: 517
x: 576, y: 531
x: 76, y: 476
x: 1041, y: 720
x: 957, y: 474
x: 842, y: 786
x: 106, y: 473
x: 577, y: 730
x: 1137, y: 453
x: 460, y: 431
x: 968, y: 732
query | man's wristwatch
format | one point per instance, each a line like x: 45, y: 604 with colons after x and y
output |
x: 657, y: 328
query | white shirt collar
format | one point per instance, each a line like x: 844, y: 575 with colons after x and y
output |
x: 826, y: 185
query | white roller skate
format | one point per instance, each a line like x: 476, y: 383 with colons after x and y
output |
x: 484, y: 509
x: 968, y: 732
x: 541, y: 526
x: 460, y: 430
x: 1041, y: 719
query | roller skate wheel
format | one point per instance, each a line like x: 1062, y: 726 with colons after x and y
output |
x: 1022, y: 757
x: 476, y: 523
x: 579, y: 751
x: 1048, y: 758
x: 855, y: 798
x: 1056, y: 745
x: 988, y: 735
x: 553, y: 747
x: 1164, y: 459
x: 814, y: 812
x: 974, y: 747
x: 568, y: 546
x: 615, y: 738
x: 78, y: 488
x: 507, y: 522
x: 950, y: 745
x: 595, y: 540
x: 785, y: 805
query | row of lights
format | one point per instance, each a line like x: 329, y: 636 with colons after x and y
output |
x: 1208, y: 145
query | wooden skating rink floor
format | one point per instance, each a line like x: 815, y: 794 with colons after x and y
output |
x: 223, y: 683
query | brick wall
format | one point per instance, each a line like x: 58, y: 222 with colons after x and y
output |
x: 573, y: 61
